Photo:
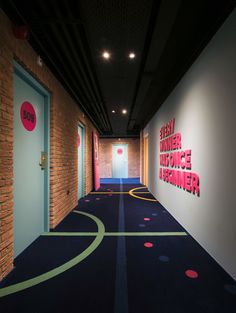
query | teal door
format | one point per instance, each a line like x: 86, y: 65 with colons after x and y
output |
x: 80, y: 161
x: 30, y: 179
x: 120, y: 161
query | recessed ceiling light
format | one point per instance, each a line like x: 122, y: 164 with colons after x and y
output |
x: 106, y: 55
x: 124, y: 111
x: 113, y: 111
x: 131, y: 55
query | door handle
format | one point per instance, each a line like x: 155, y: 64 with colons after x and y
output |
x: 43, y: 160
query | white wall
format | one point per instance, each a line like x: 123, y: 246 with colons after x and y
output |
x: 204, y: 107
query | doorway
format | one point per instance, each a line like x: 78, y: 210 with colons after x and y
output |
x: 145, y: 161
x: 31, y: 159
x: 80, y: 145
x: 120, y: 161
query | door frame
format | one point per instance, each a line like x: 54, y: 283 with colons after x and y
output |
x: 145, y: 159
x: 29, y: 79
x: 82, y: 143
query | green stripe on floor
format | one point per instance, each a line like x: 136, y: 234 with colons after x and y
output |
x: 112, y: 234
x: 64, y: 267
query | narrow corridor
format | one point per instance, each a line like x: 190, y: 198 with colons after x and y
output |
x: 117, y: 153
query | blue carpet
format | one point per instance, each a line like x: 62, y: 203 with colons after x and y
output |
x: 133, y: 274
x: 117, y: 180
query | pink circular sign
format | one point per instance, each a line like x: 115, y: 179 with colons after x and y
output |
x: 119, y: 151
x: 28, y: 116
x: 78, y: 141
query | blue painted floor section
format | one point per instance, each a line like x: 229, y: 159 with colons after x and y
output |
x: 117, y: 180
x: 121, y: 289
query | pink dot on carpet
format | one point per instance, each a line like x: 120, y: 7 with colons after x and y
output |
x: 148, y: 244
x: 147, y: 219
x: 191, y: 274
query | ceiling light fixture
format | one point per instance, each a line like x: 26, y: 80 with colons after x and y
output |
x: 124, y: 111
x: 113, y: 111
x: 131, y: 55
x: 106, y: 55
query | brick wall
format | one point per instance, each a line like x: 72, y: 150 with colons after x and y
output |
x: 65, y: 115
x: 105, y: 156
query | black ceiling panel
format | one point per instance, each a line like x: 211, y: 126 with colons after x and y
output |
x: 166, y: 37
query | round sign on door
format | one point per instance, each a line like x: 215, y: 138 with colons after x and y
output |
x: 119, y: 151
x: 28, y: 116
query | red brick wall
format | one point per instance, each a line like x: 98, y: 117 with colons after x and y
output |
x: 105, y: 156
x: 65, y: 115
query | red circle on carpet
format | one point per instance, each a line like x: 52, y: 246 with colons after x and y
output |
x: 148, y: 244
x: 191, y: 274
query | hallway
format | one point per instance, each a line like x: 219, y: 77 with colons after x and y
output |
x: 117, y: 156
x: 120, y: 251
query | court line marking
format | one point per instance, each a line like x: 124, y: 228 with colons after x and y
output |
x: 115, y: 234
x: 131, y: 193
x: 116, y: 192
x: 62, y: 268
x: 99, y: 237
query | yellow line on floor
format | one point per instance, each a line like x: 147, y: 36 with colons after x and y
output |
x: 131, y: 193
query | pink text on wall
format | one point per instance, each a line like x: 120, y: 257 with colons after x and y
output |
x: 175, y: 164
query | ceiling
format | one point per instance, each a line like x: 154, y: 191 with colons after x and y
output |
x: 166, y: 37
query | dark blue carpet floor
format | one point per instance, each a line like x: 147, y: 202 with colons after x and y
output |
x: 124, y: 274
